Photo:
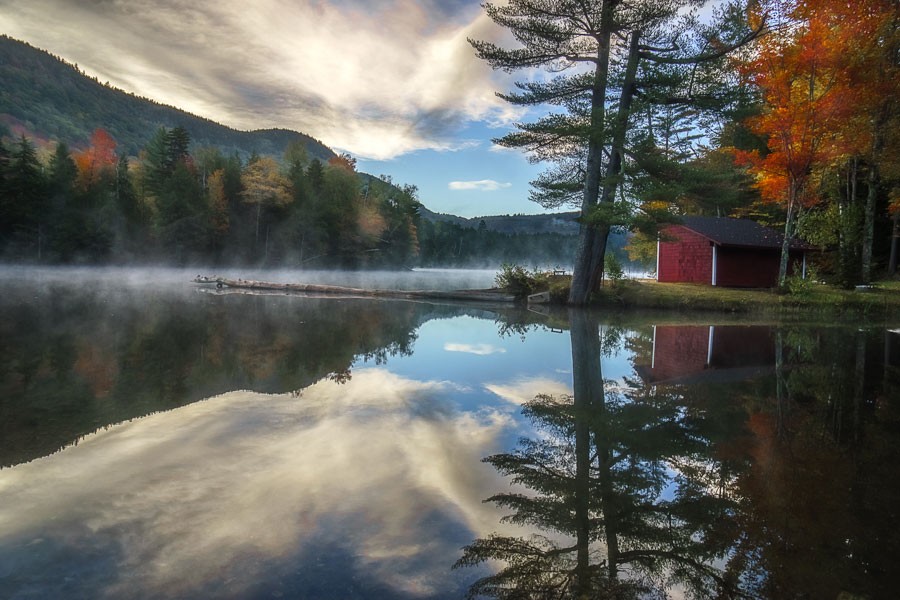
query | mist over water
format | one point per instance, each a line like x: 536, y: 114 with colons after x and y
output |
x: 176, y: 278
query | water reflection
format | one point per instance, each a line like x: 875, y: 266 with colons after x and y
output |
x: 322, y: 494
x: 660, y: 458
x: 75, y: 356
x: 615, y: 518
x: 686, y: 354
x: 736, y: 462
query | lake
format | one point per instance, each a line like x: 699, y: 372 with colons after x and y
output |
x: 159, y: 439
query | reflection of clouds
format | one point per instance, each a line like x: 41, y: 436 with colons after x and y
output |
x: 524, y: 390
x: 212, y: 496
x: 479, y: 349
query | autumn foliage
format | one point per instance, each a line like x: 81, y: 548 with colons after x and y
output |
x: 803, y: 85
x: 95, y: 161
x: 829, y: 89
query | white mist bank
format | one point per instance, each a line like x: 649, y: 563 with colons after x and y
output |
x: 415, y: 279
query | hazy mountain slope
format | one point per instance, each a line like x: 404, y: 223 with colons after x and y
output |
x: 49, y: 99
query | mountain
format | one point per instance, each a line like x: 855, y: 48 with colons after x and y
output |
x: 562, y: 223
x: 46, y: 98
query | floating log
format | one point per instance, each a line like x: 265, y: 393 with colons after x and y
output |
x: 539, y: 298
x: 488, y: 295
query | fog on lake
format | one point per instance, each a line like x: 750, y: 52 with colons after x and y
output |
x: 160, y: 439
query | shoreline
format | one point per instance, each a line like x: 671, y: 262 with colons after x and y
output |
x: 881, y: 301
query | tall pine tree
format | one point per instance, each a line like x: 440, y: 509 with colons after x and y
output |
x: 604, y: 56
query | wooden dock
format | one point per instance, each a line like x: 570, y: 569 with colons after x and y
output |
x: 487, y: 295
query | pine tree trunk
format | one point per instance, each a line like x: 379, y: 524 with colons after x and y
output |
x: 592, y: 245
x: 584, y: 279
x: 588, y: 404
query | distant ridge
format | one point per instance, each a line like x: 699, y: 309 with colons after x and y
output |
x: 562, y: 223
x: 46, y: 98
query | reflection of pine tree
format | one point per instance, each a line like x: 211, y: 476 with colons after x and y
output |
x: 622, y: 488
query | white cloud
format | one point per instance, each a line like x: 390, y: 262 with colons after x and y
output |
x: 479, y: 349
x: 498, y: 149
x: 484, y: 185
x: 376, y: 79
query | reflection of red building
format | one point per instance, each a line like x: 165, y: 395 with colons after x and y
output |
x: 723, y: 252
x: 682, y: 354
x: 892, y: 348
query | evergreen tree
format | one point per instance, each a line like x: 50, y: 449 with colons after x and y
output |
x: 156, y: 162
x: 178, y: 145
x: 181, y: 219
x: 126, y: 198
x: 164, y: 152
x: 315, y: 174
x: 61, y: 172
x: 6, y: 208
x: 23, y: 209
x: 595, y: 84
x: 61, y: 176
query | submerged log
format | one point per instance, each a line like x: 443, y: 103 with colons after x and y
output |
x: 487, y: 295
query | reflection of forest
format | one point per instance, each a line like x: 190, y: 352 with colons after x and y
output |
x: 76, y: 359
x: 718, y: 481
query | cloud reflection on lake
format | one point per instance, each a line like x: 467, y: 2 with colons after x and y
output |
x: 524, y: 390
x: 212, y: 497
x: 477, y: 349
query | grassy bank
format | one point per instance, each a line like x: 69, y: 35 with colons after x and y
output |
x: 882, y: 301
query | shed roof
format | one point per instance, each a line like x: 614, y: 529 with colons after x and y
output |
x: 725, y: 231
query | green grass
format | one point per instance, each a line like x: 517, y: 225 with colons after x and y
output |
x: 881, y: 302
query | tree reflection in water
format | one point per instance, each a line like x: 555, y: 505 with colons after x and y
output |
x: 623, y: 485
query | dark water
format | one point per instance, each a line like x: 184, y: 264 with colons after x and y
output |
x: 162, y: 441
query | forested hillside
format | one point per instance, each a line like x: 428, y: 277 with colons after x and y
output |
x: 175, y: 206
x: 48, y: 99
x: 180, y: 207
x: 91, y: 174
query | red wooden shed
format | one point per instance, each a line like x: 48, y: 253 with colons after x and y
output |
x: 725, y: 252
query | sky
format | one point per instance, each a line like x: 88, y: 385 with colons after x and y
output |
x: 392, y: 82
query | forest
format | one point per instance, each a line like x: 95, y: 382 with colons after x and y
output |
x: 174, y: 206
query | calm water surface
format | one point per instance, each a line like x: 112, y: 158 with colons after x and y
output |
x: 161, y: 440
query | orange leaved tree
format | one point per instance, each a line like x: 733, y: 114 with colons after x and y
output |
x: 97, y: 160
x: 829, y: 81
x: 801, y: 83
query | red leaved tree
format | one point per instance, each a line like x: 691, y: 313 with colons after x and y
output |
x: 97, y: 160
